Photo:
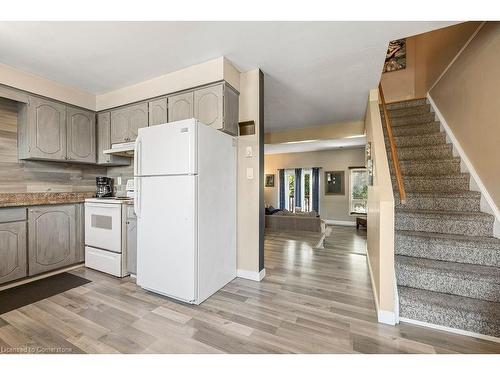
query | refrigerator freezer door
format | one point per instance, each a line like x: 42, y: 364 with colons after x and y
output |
x: 168, y: 149
x: 167, y: 236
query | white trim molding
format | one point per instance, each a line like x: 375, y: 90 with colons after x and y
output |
x: 451, y: 330
x: 383, y: 316
x: 488, y: 205
x: 344, y: 223
x: 251, y: 275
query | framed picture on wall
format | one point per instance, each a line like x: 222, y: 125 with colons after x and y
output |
x: 395, y: 58
x: 334, y: 183
x: 269, y: 180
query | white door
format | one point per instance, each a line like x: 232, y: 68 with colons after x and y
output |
x: 167, y: 235
x: 167, y: 149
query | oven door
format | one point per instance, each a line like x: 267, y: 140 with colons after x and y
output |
x: 103, y: 226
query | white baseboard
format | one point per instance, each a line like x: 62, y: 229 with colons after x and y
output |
x: 385, y: 317
x: 451, y: 330
x: 487, y: 203
x: 341, y: 222
x: 251, y: 275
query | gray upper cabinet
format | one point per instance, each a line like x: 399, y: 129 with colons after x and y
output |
x: 208, y: 106
x: 81, y: 136
x: 158, y: 111
x: 42, y: 130
x: 104, y: 142
x: 138, y: 118
x: 52, y: 237
x: 180, y: 107
x: 12, y: 251
x: 126, y: 121
x: 231, y: 110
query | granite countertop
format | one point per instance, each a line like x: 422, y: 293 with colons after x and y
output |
x: 36, y: 199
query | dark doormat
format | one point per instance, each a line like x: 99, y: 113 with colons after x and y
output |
x: 22, y: 295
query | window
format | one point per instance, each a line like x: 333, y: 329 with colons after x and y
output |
x: 306, y: 190
x: 305, y: 200
x: 290, y: 189
x: 358, y: 190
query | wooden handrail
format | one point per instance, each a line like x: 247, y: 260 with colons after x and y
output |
x: 394, y: 151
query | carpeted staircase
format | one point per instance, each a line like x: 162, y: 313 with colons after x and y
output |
x: 447, y: 260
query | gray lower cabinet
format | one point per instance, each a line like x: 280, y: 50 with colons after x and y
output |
x: 80, y: 232
x: 42, y: 130
x: 126, y: 121
x: 158, y: 111
x: 81, y: 135
x: 104, y: 142
x: 52, y: 237
x: 12, y: 251
x: 131, y: 241
x: 180, y: 106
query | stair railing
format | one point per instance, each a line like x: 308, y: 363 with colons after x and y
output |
x: 394, y: 150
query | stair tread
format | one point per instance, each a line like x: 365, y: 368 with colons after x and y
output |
x: 490, y: 242
x: 441, y: 194
x: 441, y: 176
x: 451, y: 301
x: 456, y: 215
x: 453, y: 269
x: 400, y: 112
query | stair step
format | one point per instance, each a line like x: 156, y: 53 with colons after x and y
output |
x: 449, y: 247
x: 467, y: 280
x: 443, y: 151
x: 450, y: 222
x: 426, y: 128
x: 444, y: 183
x: 428, y: 167
x: 409, y: 111
x: 469, y: 201
x: 414, y: 119
x: 463, y: 313
x: 418, y: 140
x: 406, y: 103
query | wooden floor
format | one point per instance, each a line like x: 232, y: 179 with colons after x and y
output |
x: 311, y: 301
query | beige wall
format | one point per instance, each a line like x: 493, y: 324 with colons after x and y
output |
x: 468, y: 98
x: 380, y: 219
x: 330, y: 131
x: 332, y: 207
x: 427, y: 55
x: 248, y: 190
x: 38, y: 85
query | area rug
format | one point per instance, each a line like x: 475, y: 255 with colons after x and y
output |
x: 22, y: 295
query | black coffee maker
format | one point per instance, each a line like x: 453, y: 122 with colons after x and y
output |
x: 104, y: 187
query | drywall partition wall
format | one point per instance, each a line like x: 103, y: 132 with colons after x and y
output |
x: 380, y: 219
x: 192, y: 76
x: 330, y: 131
x: 334, y: 208
x: 37, y: 176
x: 400, y: 84
x: 37, y: 85
x: 467, y: 97
x: 249, y: 188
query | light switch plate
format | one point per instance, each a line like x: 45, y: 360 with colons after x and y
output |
x: 248, y: 152
x: 249, y: 173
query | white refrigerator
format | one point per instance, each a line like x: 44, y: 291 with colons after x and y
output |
x: 185, y: 202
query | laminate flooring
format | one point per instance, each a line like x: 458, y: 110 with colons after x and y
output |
x: 311, y: 301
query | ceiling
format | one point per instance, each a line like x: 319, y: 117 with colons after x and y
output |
x: 316, y: 145
x: 316, y: 72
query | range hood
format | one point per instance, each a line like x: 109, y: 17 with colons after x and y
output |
x: 122, y: 149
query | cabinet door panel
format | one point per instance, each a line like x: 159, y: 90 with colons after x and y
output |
x: 12, y: 251
x: 81, y: 135
x: 138, y: 118
x: 119, y: 125
x: 158, y: 112
x: 104, y: 142
x: 231, y: 111
x: 52, y: 238
x: 208, y: 106
x: 47, y: 129
x: 180, y: 107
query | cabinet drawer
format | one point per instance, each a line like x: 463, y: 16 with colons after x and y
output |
x: 104, y: 261
x: 12, y: 214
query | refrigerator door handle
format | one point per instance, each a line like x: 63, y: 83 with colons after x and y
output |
x: 137, y: 197
x: 137, y: 155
